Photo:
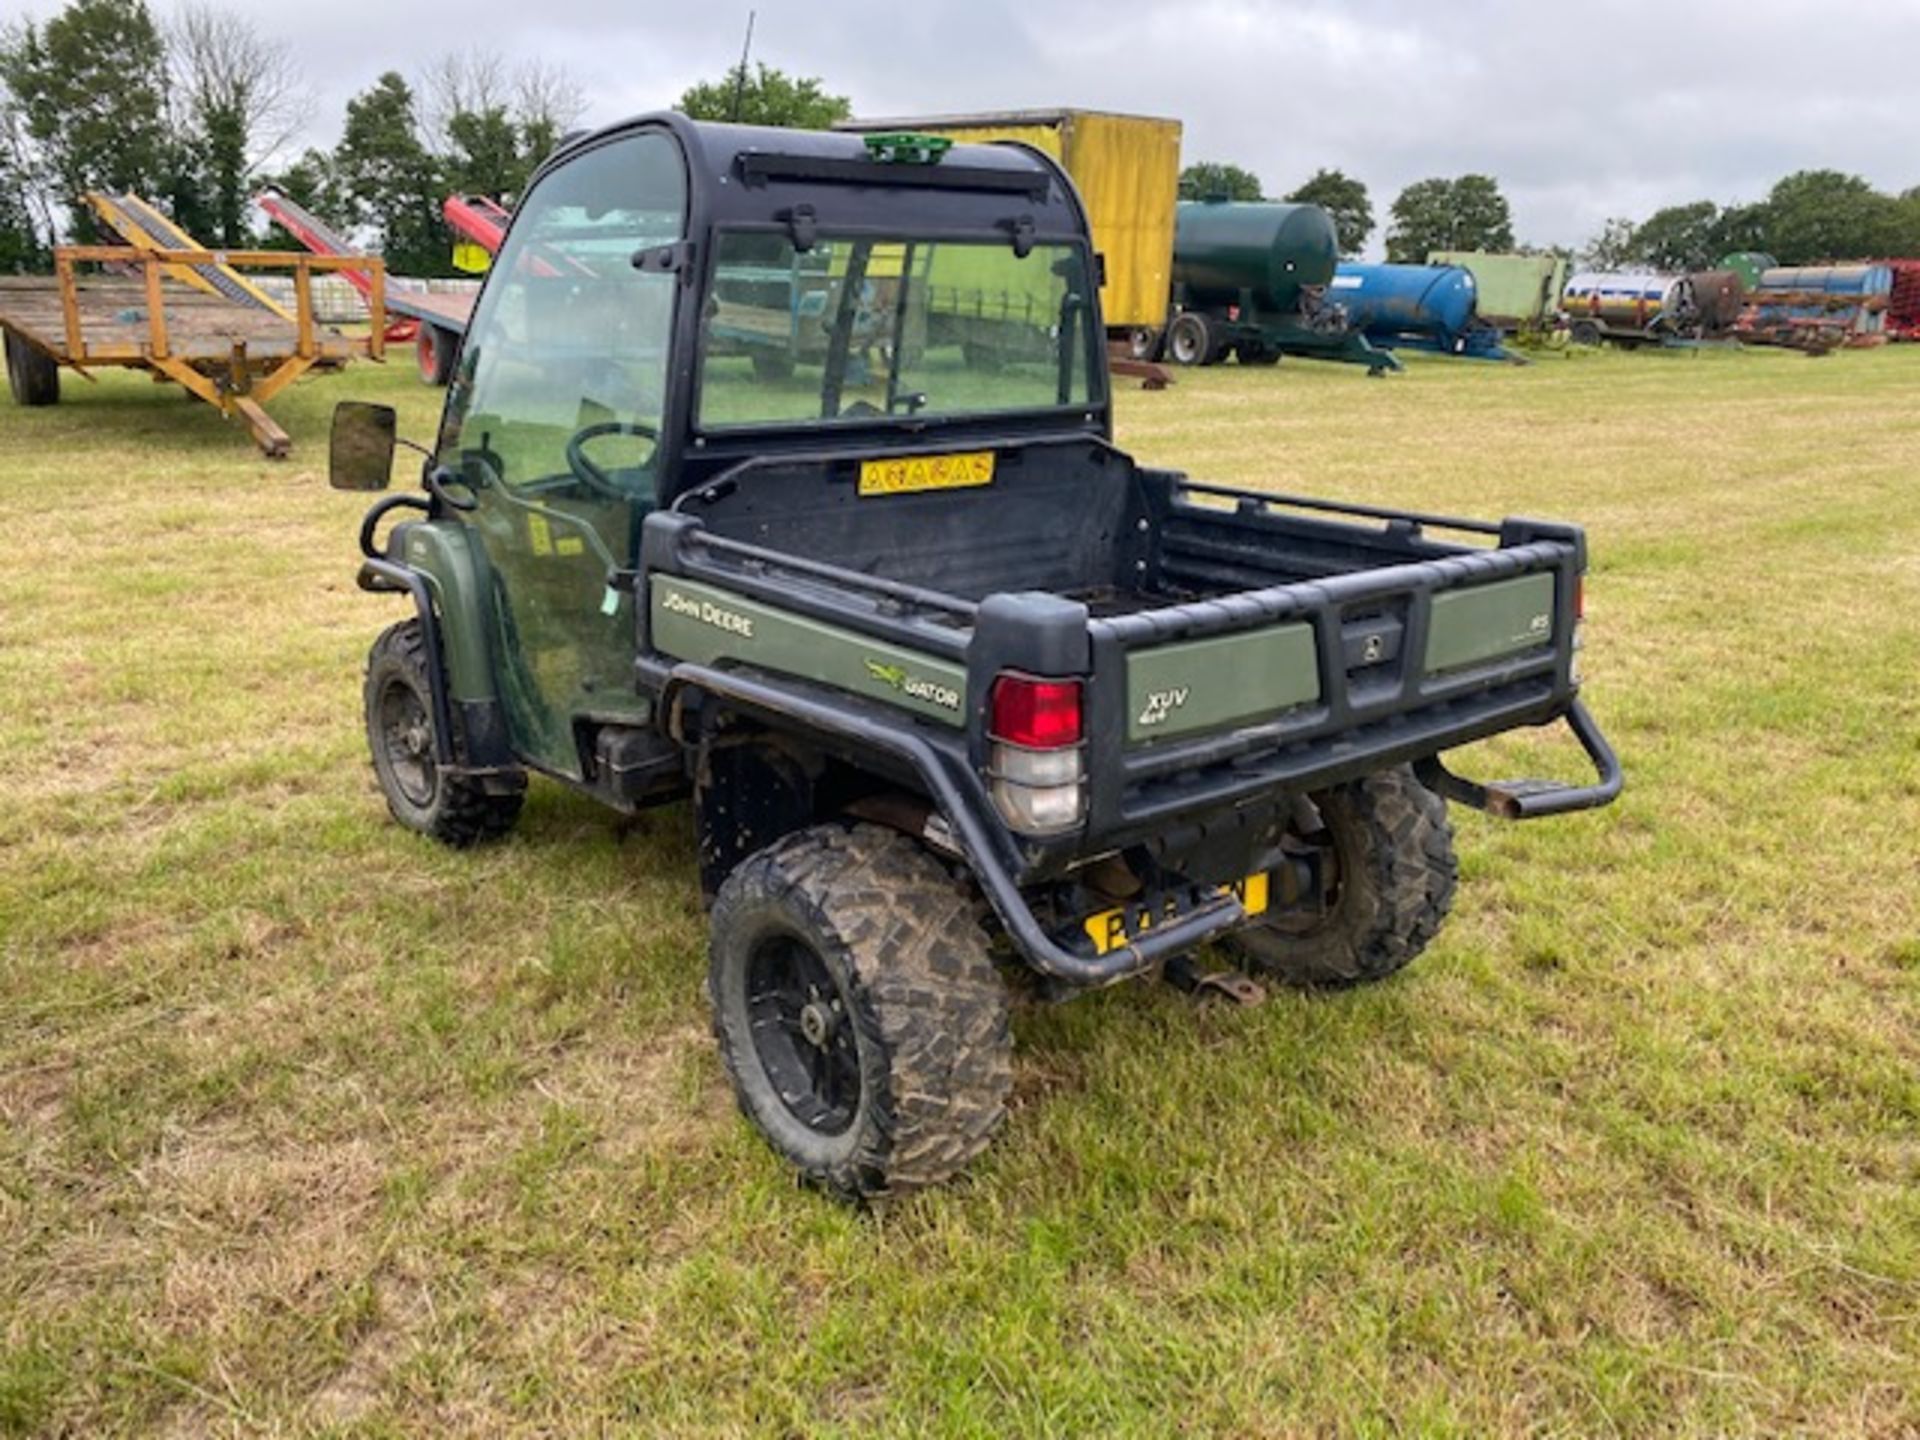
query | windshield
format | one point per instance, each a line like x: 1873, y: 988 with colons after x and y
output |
x: 853, y: 329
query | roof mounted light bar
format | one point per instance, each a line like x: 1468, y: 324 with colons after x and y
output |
x: 758, y: 167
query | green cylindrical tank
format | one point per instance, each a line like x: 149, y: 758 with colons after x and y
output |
x: 1222, y: 248
x: 1749, y: 265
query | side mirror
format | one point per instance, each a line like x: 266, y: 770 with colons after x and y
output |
x: 360, y: 448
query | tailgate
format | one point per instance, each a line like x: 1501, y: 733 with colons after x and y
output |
x: 1190, y: 686
x: 1308, y: 683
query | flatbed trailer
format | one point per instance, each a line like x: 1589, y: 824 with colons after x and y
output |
x: 236, y: 357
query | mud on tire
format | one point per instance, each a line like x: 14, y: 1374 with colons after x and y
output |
x: 1391, y: 851
x: 859, y: 1015
x: 456, y: 810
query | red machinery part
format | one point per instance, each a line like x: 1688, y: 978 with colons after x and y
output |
x: 323, y: 239
x: 476, y: 218
x: 1903, y: 305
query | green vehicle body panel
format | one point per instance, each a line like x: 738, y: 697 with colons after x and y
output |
x: 704, y: 624
x: 442, y: 551
x: 1484, y: 622
x: 1210, y: 684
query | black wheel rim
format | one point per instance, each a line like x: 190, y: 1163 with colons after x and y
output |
x: 406, y: 736
x: 803, y: 1035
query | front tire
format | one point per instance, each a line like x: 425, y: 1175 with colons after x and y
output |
x: 1387, y: 848
x: 458, y: 810
x: 858, y: 1012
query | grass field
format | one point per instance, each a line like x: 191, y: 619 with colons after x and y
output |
x: 307, y: 1125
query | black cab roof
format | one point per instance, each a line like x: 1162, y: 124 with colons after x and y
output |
x: 755, y: 174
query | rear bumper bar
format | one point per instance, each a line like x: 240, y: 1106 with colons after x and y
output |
x: 988, y: 853
x: 994, y: 856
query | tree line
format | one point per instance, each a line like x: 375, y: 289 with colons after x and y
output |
x: 1466, y: 213
x: 197, y: 114
x: 1807, y: 218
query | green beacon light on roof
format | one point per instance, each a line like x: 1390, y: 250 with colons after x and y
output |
x: 906, y: 148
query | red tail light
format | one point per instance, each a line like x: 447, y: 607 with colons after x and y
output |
x: 1036, y: 714
x: 1579, y: 597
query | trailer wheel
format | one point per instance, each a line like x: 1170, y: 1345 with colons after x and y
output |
x: 1143, y: 342
x: 1386, y: 850
x: 858, y: 1012
x: 456, y: 810
x: 32, y: 374
x: 1252, y: 352
x: 1585, y: 332
x: 1191, y: 340
x: 433, y: 348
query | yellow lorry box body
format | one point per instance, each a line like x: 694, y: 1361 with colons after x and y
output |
x: 1127, y: 170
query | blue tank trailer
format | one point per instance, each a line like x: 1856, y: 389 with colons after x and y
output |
x: 1252, y: 280
x: 1418, y: 307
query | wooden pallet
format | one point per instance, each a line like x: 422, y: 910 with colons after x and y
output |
x: 233, y: 356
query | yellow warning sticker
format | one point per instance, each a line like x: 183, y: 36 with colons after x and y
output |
x: 926, y: 472
x: 539, y: 535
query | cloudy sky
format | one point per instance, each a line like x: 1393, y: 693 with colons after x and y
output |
x: 1581, y: 111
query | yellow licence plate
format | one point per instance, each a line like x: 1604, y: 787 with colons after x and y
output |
x: 1110, y: 929
x: 926, y: 472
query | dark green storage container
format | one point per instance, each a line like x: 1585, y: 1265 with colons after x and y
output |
x: 1223, y: 248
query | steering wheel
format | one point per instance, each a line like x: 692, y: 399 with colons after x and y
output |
x: 590, y: 474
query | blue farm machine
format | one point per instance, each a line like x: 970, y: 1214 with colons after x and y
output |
x: 1418, y: 307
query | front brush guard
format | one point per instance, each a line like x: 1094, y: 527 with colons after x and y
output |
x: 1533, y: 799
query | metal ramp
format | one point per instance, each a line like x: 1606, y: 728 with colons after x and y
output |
x: 305, y: 226
x: 142, y: 224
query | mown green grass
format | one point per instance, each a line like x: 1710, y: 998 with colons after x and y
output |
x: 309, y: 1125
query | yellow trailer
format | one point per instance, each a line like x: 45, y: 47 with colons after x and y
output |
x: 1127, y: 169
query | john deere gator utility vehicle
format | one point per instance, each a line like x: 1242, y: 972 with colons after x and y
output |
x: 954, y: 684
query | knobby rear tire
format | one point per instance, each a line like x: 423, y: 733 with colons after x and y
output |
x: 912, y: 974
x: 1392, y: 851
